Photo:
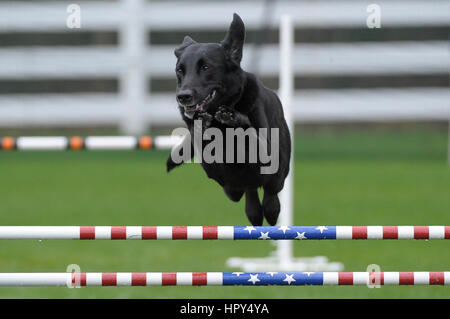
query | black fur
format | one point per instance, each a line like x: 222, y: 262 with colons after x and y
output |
x: 241, y: 100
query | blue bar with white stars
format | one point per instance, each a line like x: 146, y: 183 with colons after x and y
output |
x: 284, y: 232
x: 273, y: 278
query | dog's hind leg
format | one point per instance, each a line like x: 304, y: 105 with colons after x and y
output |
x: 271, y: 207
x: 234, y: 194
x: 253, y: 207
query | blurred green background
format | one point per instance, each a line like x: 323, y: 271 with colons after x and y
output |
x: 391, y: 175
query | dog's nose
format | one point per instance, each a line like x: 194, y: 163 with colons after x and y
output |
x: 185, y: 97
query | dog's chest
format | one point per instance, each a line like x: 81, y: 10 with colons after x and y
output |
x: 235, y: 175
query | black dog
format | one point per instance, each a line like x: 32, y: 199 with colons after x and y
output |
x: 212, y: 87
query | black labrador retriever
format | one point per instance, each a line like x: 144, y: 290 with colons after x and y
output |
x: 212, y: 87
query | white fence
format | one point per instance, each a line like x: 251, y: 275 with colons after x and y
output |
x: 133, y: 61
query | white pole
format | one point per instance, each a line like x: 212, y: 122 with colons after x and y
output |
x: 133, y: 81
x: 448, y: 144
x: 285, y: 248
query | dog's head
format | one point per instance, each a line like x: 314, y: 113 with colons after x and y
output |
x: 209, y: 74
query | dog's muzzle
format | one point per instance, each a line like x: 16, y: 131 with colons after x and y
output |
x: 189, y: 111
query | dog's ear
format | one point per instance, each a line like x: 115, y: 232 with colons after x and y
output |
x: 186, y: 42
x: 234, y: 40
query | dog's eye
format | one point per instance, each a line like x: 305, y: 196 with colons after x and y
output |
x: 205, y: 67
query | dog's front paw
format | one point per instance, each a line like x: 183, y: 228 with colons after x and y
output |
x: 206, y: 119
x: 225, y: 116
x: 170, y: 164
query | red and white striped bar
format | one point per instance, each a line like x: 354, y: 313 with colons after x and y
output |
x: 386, y: 278
x: 61, y: 143
x: 225, y: 279
x: 117, y: 232
x: 393, y: 232
x: 112, y: 279
x: 224, y: 232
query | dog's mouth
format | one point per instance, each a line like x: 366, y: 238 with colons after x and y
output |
x: 190, y: 110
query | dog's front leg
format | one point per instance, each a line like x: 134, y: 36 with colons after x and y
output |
x: 184, y: 145
x: 231, y: 117
x: 206, y: 119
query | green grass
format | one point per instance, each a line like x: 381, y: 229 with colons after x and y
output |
x: 346, y: 178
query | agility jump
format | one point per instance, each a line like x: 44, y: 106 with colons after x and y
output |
x: 226, y: 279
x: 224, y: 232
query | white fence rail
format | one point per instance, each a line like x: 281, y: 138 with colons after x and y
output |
x: 310, y: 59
x: 133, y: 62
x: 308, y: 106
x: 215, y: 15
